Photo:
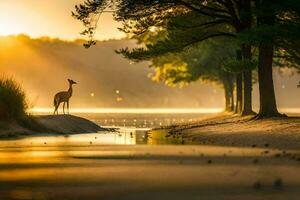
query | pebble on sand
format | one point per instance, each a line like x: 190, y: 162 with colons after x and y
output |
x: 277, y: 155
x: 267, y: 145
x: 257, y: 185
x: 266, y: 152
x: 278, y: 183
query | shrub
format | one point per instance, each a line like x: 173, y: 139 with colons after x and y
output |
x: 12, y: 100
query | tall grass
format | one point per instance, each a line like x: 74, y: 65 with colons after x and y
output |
x: 12, y: 100
x: 13, y: 105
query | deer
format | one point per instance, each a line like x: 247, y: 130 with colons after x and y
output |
x: 63, y: 97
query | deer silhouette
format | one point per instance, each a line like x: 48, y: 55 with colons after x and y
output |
x: 63, y: 97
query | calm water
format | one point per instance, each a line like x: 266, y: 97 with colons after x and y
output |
x: 142, y: 120
x: 126, y: 136
x: 132, y: 130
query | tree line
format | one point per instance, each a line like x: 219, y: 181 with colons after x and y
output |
x: 221, y: 41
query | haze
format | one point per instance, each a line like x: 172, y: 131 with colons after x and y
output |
x: 104, y: 77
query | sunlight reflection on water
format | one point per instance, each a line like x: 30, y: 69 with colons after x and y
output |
x: 123, y: 136
x: 139, y: 118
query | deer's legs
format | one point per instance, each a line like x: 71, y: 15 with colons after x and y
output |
x: 68, y: 107
x: 55, y: 110
x: 64, y: 107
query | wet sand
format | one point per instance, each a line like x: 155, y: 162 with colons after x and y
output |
x: 231, y: 130
x: 94, y: 171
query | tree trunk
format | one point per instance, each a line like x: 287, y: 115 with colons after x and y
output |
x: 239, y: 87
x: 232, y: 96
x: 239, y: 94
x: 247, y: 84
x: 229, y: 100
x: 268, y: 107
x: 246, y: 23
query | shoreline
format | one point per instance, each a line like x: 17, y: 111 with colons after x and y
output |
x: 50, y: 125
x: 218, y: 130
x: 236, y: 131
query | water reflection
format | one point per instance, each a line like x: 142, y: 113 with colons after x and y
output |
x: 142, y: 120
x: 125, y: 136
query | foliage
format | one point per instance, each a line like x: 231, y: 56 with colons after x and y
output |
x: 181, y: 32
x: 278, y: 22
x: 13, y: 106
x: 181, y: 58
x: 204, y: 61
x: 139, y: 16
x: 12, y: 100
x: 236, y: 66
x: 171, y: 32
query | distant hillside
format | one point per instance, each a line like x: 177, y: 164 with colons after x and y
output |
x: 43, y: 65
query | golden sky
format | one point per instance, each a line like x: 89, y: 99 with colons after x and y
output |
x: 49, y: 18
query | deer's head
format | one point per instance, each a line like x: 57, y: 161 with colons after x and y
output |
x: 71, y: 81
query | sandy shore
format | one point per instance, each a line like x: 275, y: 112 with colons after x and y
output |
x: 175, y: 172
x: 51, y: 124
x: 228, y: 130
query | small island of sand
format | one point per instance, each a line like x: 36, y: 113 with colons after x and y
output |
x: 50, y: 124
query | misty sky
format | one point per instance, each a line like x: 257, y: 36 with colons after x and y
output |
x: 49, y: 18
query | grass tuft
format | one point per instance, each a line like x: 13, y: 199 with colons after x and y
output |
x: 13, y: 106
x: 12, y: 100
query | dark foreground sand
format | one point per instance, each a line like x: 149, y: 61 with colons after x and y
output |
x: 39, y: 171
x: 228, y: 130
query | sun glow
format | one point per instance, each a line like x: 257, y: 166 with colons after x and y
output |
x: 9, y: 24
x: 5, y: 28
x: 53, y: 18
